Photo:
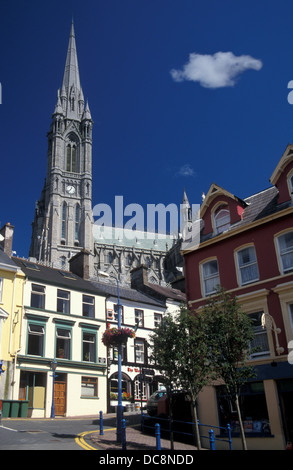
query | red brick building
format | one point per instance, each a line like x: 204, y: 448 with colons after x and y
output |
x: 246, y: 246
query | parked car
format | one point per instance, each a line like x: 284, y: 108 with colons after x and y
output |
x: 152, y: 403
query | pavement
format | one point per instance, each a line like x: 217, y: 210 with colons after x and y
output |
x: 135, y: 439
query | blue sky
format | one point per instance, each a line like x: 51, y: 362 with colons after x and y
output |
x: 170, y: 111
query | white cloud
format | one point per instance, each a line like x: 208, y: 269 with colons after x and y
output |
x: 186, y: 170
x: 215, y: 71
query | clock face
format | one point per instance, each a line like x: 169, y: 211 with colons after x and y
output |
x: 70, y: 189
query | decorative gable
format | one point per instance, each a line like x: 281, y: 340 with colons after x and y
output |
x: 282, y: 177
x: 220, y: 209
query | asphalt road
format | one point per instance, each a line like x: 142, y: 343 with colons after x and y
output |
x: 54, y: 434
x: 47, y: 434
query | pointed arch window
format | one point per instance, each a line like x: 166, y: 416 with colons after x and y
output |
x: 76, y: 222
x: 71, y: 161
x: 64, y: 221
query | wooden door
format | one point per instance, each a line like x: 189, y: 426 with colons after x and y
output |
x: 60, y: 398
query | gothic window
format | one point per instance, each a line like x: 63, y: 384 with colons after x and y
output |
x: 76, y: 223
x: 64, y: 220
x: 71, y: 163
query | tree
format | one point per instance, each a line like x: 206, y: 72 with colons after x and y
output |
x: 230, y: 334
x: 180, y: 351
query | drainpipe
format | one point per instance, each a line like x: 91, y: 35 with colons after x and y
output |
x: 12, y: 313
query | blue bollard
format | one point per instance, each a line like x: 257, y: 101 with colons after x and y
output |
x: 101, y: 424
x: 229, y: 436
x: 158, y: 437
x: 212, y: 440
x: 123, y: 434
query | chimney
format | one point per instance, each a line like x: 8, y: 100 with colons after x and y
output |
x: 80, y: 264
x: 6, y: 238
x: 139, y: 277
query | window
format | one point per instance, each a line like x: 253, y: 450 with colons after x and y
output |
x: 63, y: 340
x: 139, y: 350
x: 260, y: 342
x: 63, y: 301
x: 64, y: 220
x: 114, y: 354
x: 71, y: 159
x: 138, y: 316
x: 210, y: 275
x: 247, y: 264
x: 222, y: 219
x: 140, y: 393
x: 285, y: 244
x: 88, y: 306
x: 38, y: 296
x: 89, y: 387
x: 253, y: 410
x: 89, y: 347
x: 1, y: 288
x: 158, y: 318
x: 76, y: 225
x: 36, y: 335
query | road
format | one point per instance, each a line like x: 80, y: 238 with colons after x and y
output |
x: 54, y: 434
x: 47, y: 434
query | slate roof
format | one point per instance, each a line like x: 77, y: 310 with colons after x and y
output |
x: 44, y: 274
x: 259, y: 206
x: 5, y: 260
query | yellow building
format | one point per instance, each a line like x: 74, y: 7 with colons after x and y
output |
x: 11, y: 295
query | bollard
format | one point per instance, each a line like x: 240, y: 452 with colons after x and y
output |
x: 123, y: 434
x: 101, y: 424
x: 158, y: 437
x: 229, y: 436
x: 212, y: 440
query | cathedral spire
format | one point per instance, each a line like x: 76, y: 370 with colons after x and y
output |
x: 71, y: 91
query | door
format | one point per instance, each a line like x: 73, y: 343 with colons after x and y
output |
x: 60, y: 397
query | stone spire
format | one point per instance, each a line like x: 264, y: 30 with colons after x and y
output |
x: 71, y: 95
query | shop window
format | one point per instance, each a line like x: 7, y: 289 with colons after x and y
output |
x: 210, y: 277
x: 140, y: 389
x: 247, y: 264
x: 253, y: 408
x: 89, y: 387
x: 38, y: 296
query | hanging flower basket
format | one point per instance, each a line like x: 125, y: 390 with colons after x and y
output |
x: 115, y: 336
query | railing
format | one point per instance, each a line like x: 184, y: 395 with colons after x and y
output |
x: 211, y: 434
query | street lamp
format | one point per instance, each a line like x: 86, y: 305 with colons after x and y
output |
x: 119, y: 413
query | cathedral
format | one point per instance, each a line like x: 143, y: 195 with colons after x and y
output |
x: 63, y: 224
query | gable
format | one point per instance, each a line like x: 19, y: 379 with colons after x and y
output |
x: 283, y: 174
x: 218, y: 199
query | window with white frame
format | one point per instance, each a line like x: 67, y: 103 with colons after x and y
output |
x: 88, y: 306
x: 210, y: 276
x: 63, y: 340
x: 222, y: 219
x: 259, y: 346
x: 63, y: 301
x: 36, y: 336
x: 139, y: 349
x: 138, y: 317
x: 158, y: 318
x: 89, y: 387
x: 89, y: 346
x: 285, y: 245
x: 38, y: 296
x: 247, y: 265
